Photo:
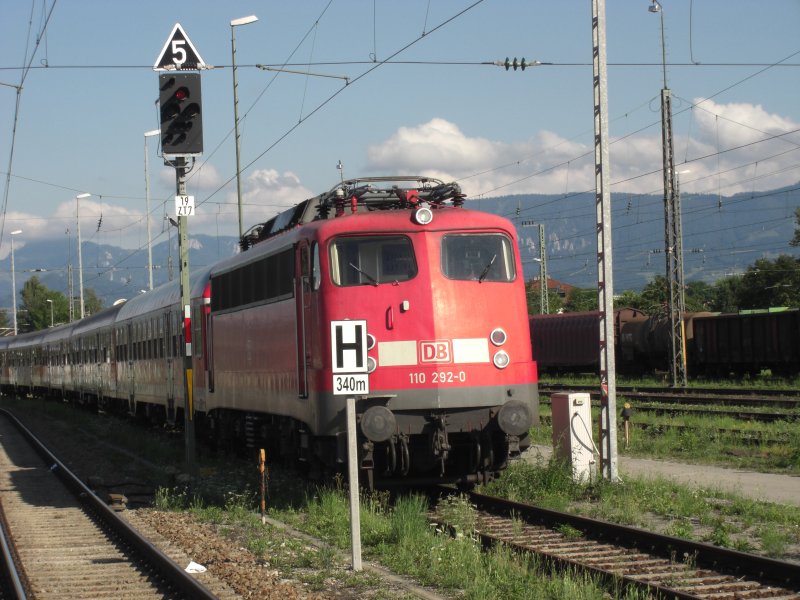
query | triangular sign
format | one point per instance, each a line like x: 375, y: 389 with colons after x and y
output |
x: 178, y: 53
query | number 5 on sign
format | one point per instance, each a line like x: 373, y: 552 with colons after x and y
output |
x: 184, y: 206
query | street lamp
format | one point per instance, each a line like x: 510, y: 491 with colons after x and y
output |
x: 50, y: 302
x: 14, y: 280
x: 655, y: 7
x: 234, y: 24
x: 80, y: 258
x: 148, y: 134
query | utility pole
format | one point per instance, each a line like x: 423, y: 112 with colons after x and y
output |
x: 544, y: 297
x: 71, y: 287
x: 188, y: 388
x: 605, y: 283
x: 544, y: 300
x: 673, y: 236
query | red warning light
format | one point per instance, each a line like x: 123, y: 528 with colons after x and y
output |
x: 181, y: 94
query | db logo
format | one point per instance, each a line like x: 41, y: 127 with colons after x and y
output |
x: 436, y: 351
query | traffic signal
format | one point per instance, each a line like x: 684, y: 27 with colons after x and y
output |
x: 181, y: 113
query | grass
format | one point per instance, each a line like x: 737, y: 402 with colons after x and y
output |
x: 396, y: 534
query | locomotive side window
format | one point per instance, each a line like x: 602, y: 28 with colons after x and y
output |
x: 370, y: 260
x: 268, y: 279
x: 478, y: 257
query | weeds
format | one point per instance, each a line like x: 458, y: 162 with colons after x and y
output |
x: 773, y: 541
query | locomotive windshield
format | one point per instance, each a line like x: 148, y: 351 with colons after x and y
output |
x: 371, y: 260
x: 478, y: 257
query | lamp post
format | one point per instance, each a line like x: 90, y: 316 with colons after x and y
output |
x: 234, y: 24
x: 14, y: 281
x: 50, y: 302
x: 148, y: 134
x: 80, y: 257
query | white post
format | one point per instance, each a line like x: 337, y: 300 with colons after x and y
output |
x: 80, y: 257
x: 14, y: 280
x: 235, y: 23
x: 352, y: 473
x: 147, y: 212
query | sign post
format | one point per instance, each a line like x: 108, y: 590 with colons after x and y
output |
x: 351, y: 378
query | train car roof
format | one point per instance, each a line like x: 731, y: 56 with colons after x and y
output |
x: 101, y: 319
x: 57, y: 333
x: 26, y: 339
x: 166, y: 295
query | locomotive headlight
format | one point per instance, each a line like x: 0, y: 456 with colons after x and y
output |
x: 514, y: 417
x: 423, y: 215
x: 498, y: 337
x: 378, y: 423
x: 501, y: 359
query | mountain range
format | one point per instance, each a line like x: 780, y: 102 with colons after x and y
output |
x: 721, y: 236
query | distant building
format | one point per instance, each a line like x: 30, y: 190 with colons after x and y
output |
x: 553, y: 285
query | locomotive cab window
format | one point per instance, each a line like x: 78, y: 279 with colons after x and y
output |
x: 372, y: 260
x: 478, y: 257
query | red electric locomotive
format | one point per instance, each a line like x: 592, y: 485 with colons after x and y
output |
x: 452, y: 385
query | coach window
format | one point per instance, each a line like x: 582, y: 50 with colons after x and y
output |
x: 372, y: 260
x: 478, y: 257
x: 197, y: 345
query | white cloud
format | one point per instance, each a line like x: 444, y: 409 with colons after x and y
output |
x: 266, y: 192
x: 552, y: 164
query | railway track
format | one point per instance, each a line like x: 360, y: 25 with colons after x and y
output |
x: 744, y: 436
x: 624, y: 557
x: 785, y: 399
x: 68, y: 543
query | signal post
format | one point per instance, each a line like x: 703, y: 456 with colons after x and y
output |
x: 180, y: 104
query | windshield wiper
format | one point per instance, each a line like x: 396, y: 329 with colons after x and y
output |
x: 365, y: 274
x: 485, y: 271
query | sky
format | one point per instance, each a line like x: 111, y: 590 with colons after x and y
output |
x: 422, y: 97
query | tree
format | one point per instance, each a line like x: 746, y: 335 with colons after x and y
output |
x: 698, y: 296
x: 771, y: 283
x: 629, y: 299
x: 34, y: 311
x: 654, y: 296
x: 91, y: 303
x: 581, y: 300
x: 796, y: 239
x: 725, y: 295
x: 534, y: 298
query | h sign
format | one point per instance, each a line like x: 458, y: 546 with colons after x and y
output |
x: 349, y: 346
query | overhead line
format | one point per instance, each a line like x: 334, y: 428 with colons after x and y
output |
x: 417, y: 62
